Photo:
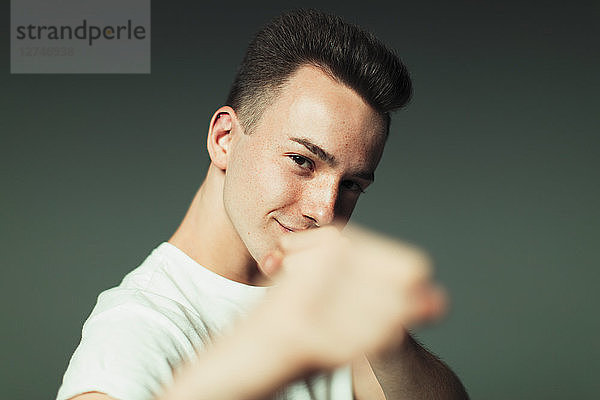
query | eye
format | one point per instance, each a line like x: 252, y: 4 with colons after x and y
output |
x: 352, y: 186
x: 302, y: 162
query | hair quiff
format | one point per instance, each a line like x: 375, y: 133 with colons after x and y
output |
x: 346, y: 52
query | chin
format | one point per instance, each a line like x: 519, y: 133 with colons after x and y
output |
x: 260, y: 248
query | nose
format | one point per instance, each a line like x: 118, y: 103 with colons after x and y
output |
x: 319, y: 202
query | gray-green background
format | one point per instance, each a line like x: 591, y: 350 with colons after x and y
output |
x: 493, y: 168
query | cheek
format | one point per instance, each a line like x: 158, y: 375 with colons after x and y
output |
x: 266, y: 184
x: 279, y: 186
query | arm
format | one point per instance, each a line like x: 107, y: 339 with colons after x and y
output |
x: 411, y: 372
x: 92, y: 396
x: 248, y: 365
x: 259, y: 358
x: 326, y: 287
x: 402, y: 368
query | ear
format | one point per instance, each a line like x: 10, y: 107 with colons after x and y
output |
x: 223, y: 126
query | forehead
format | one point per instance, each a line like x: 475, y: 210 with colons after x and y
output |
x: 314, y: 106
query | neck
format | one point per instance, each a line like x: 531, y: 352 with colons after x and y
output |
x: 208, y: 237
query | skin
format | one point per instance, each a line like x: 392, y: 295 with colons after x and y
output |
x: 338, y: 296
x: 256, y: 183
x: 274, y: 181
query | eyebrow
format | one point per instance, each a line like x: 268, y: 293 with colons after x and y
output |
x: 316, y: 150
x: 327, y: 157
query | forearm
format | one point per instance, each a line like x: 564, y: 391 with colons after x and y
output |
x: 411, y: 372
x: 248, y: 365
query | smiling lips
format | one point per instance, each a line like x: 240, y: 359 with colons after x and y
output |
x: 285, y: 228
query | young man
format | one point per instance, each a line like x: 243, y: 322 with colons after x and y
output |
x: 248, y: 300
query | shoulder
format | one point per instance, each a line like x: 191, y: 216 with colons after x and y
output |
x: 130, y: 346
x: 158, y: 293
x: 136, y: 335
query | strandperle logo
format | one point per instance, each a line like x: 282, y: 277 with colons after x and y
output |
x: 80, y: 37
x: 85, y: 31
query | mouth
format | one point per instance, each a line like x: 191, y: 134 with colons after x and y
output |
x: 283, y: 227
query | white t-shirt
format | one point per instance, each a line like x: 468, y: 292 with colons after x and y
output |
x: 140, y: 331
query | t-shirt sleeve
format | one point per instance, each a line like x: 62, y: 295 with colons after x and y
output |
x: 128, y: 351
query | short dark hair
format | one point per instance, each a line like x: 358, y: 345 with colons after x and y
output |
x: 346, y: 52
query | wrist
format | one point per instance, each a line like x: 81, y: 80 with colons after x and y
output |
x: 278, y: 334
x: 256, y: 351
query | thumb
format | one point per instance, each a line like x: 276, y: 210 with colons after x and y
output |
x: 271, y: 264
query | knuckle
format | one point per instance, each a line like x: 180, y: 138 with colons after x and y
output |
x: 329, y: 233
x: 330, y: 230
x: 423, y: 262
x: 285, y: 242
x: 418, y: 260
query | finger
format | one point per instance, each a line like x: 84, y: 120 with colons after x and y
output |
x: 272, y: 263
x: 302, y: 240
x: 427, y: 304
x: 438, y: 303
x: 414, y: 263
